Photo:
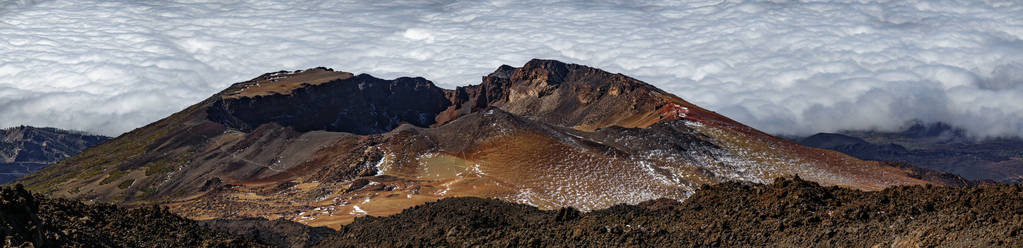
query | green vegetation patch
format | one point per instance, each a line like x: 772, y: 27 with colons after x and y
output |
x: 113, y: 176
x: 159, y: 167
x: 126, y: 183
x: 145, y: 192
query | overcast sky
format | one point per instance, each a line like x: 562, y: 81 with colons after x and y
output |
x: 784, y: 67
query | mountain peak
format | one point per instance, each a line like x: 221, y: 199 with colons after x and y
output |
x: 284, y: 82
x: 331, y: 146
x: 503, y: 71
x: 550, y: 71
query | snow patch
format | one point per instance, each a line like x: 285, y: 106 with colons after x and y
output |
x: 379, y: 164
x: 356, y: 210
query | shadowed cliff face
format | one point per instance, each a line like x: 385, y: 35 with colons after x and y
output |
x: 322, y: 147
x: 361, y: 104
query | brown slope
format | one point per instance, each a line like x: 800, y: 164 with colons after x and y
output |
x: 322, y: 147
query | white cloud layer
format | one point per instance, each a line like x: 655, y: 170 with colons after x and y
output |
x: 781, y: 66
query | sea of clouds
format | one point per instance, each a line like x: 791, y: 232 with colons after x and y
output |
x: 787, y: 67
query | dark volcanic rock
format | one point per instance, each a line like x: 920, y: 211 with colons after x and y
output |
x: 786, y: 213
x: 362, y: 105
x: 27, y: 219
x: 280, y: 233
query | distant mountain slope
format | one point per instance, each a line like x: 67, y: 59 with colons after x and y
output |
x: 322, y: 147
x: 25, y: 149
x: 935, y: 146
